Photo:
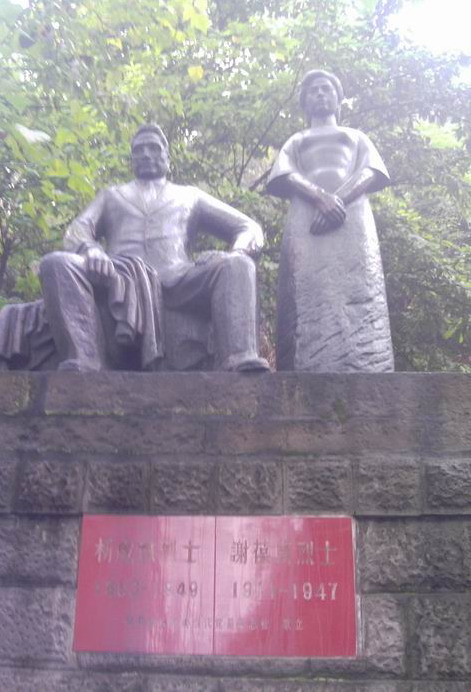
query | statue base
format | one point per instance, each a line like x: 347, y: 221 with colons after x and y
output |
x: 392, y: 451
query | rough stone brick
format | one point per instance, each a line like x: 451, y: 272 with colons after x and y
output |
x: 389, y: 484
x: 208, y: 666
x: 113, y: 486
x: 315, y: 435
x: 442, y: 636
x: 423, y: 412
x: 7, y: 480
x: 35, y: 625
x: 274, y: 436
x: 449, y: 427
x: 50, y: 486
x: 177, y: 683
x: 316, y: 485
x: 15, y: 431
x: 38, y: 551
x: 378, y: 686
x: 16, y: 680
x: 412, y: 554
x: 260, y: 685
x: 448, y: 686
x: 447, y: 555
x: 430, y: 412
x: 54, y: 681
x: 337, y: 396
x: 385, y: 634
x: 183, y: 486
x: 448, y: 484
x: 15, y: 392
x: 389, y: 555
x: 378, y: 412
x: 259, y: 666
x: 118, y: 393
x: 246, y: 488
x: 104, y: 434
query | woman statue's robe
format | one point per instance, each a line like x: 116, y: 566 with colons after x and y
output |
x: 332, y: 313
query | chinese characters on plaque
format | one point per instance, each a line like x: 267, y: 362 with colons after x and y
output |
x: 273, y: 586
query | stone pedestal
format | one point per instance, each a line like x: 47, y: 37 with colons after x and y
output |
x: 393, y: 450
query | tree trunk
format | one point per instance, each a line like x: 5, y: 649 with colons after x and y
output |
x: 4, y: 257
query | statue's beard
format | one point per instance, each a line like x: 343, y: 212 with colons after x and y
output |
x: 321, y: 111
x: 157, y: 171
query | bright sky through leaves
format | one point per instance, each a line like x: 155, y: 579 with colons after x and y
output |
x: 440, y: 25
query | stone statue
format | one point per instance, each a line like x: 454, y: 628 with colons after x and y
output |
x: 126, y: 266
x: 332, y: 309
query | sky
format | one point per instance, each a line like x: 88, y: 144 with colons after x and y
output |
x: 440, y: 25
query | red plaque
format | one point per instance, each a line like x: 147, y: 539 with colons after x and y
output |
x: 285, y: 587
x: 263, y: 586
x: 146, y: 585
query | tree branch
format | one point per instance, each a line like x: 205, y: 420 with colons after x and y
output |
x: 284, y: 103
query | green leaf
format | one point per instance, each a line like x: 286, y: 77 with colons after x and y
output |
x: 77, y: 169
x: 20, y: 101
x: 201, y: 22
x: 13, y: 144
x: 64, y: 136
x: 115, y: 41
x: 29, y: 209
x: 57, y: 169
x: 196, y: 72
x: 79, y: 184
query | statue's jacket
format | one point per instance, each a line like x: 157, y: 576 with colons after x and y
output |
x: 158, y: 232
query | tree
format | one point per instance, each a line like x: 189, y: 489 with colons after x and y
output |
x: 222, y: 80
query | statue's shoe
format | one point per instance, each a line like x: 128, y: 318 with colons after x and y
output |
x: 254, y: 365
x: 75, y: 365
x: 246, y: 363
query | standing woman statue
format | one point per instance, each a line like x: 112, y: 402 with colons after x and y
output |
x: 332, y: 309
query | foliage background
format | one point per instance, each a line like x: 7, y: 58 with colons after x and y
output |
x: 77, y: 78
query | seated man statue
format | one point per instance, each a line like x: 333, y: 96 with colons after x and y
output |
x: 126, y: 261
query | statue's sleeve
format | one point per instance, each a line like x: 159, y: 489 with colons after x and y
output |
x: 220, y: 219
x: 286, y: 163
x: 85, y: 231
x: 369, y: 157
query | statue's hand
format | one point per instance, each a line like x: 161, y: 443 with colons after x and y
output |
x: 332, y: 208
x: 100, y: 268
x: 321, y: 224
x: 250, y: 241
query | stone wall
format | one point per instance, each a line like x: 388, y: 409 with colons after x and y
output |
x: 392, y: 450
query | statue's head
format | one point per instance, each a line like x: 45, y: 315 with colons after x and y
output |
x: 149, y: 152
x: 321, y: 94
